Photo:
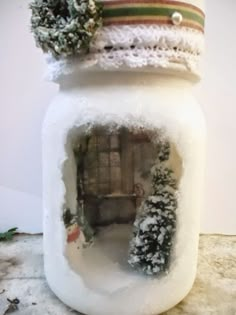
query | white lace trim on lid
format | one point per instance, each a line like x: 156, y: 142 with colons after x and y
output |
x: 136, y: 46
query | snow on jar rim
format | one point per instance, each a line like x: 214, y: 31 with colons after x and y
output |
x: 143, y: 35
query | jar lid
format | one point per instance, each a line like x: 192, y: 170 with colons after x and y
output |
x: 119, y: 34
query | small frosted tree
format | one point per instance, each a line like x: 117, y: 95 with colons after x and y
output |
x: 155, y: 224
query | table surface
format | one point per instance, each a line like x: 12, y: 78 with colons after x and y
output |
x: 22, y: 277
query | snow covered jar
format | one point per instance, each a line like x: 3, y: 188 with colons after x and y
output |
x: 123, y: 152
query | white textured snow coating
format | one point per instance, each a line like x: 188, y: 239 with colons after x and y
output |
x: 146, y: 222
x: 130, y: 100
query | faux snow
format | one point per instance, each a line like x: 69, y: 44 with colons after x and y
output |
x: 104, y: 266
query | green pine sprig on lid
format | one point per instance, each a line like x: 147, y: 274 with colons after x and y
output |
x: 65, y: 27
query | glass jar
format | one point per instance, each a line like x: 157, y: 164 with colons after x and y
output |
x: 107, y: 136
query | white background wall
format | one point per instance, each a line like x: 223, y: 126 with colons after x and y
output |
x: 24, y: 98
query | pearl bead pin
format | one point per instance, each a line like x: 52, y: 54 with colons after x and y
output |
x: 177, y: 18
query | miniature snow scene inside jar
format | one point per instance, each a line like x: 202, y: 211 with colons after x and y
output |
x: 123, y: 152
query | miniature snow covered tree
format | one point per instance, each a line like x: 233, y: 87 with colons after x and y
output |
x: 154, y: 227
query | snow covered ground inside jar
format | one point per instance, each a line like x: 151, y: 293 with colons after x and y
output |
x: 104, y: 266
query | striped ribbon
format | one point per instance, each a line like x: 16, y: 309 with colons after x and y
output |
x: 126, y: 12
